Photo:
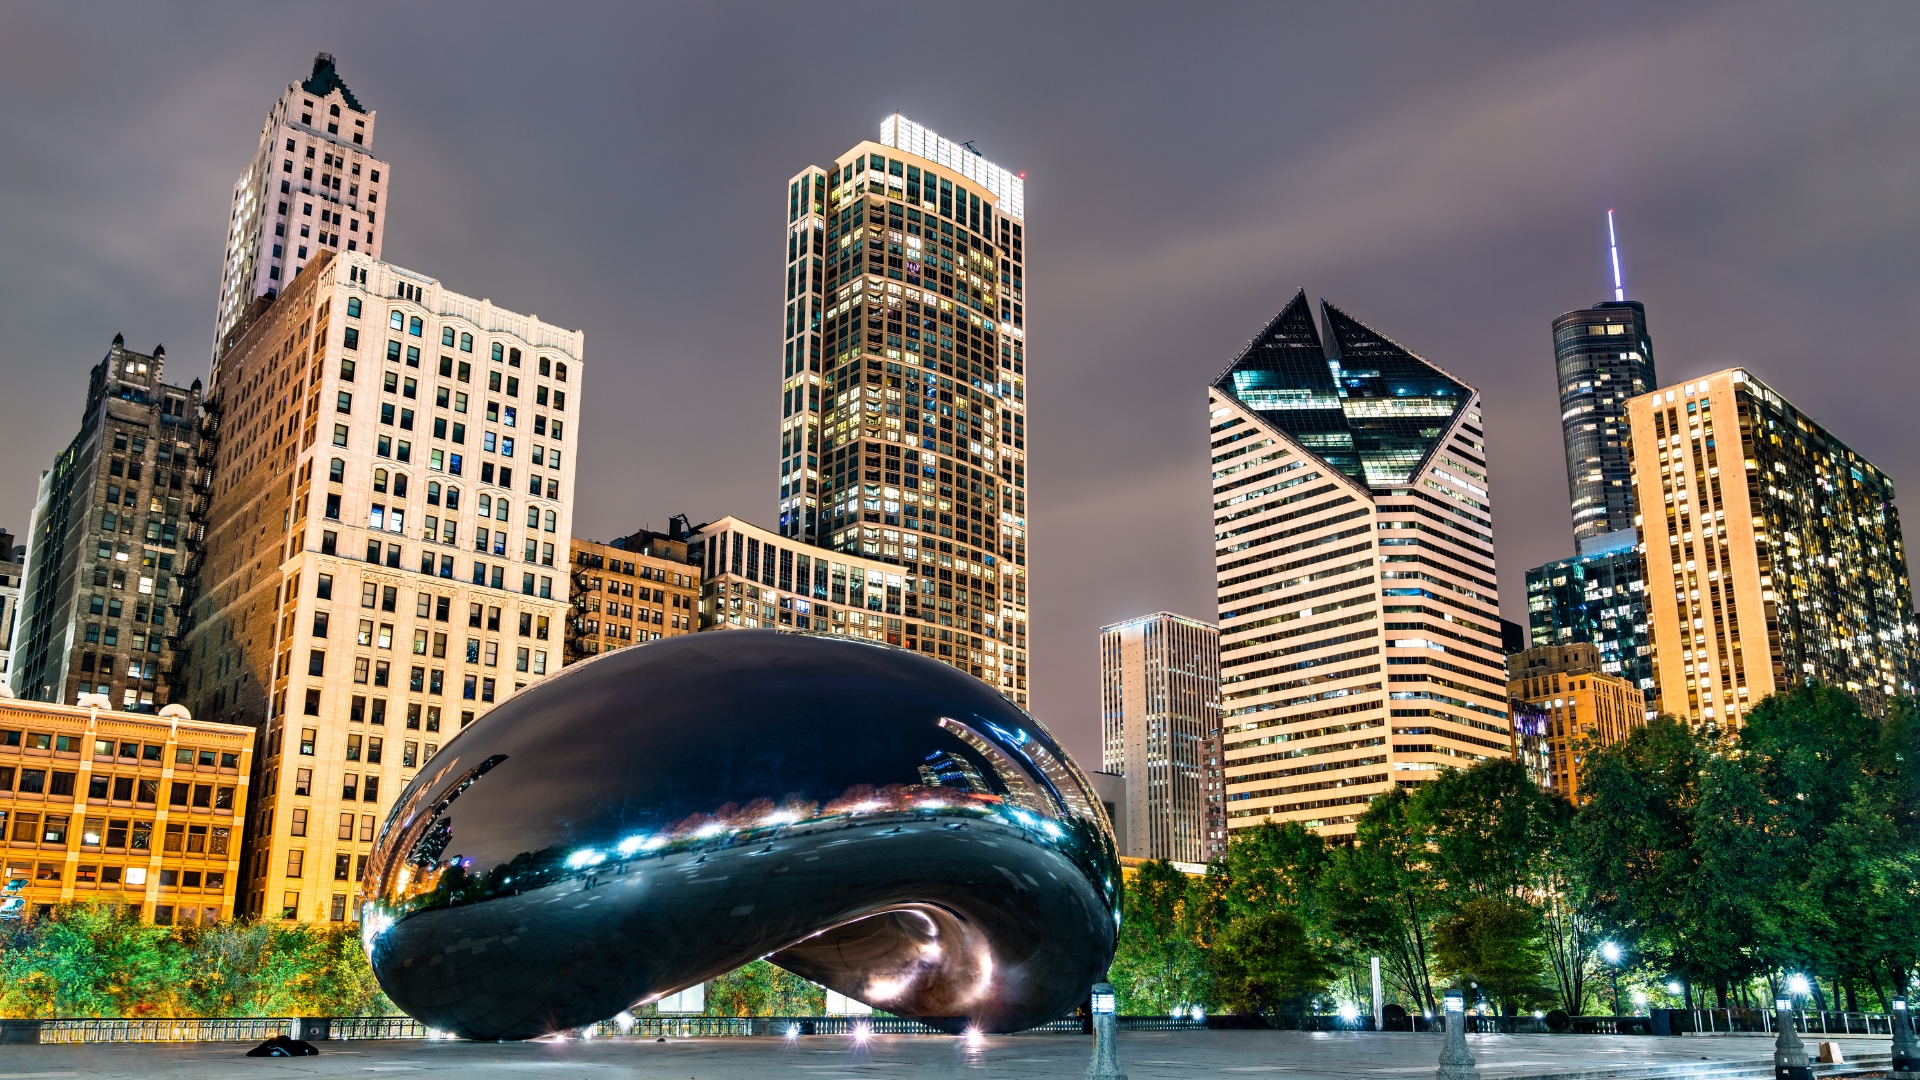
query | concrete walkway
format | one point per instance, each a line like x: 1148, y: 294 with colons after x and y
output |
x: 1143, y: 1055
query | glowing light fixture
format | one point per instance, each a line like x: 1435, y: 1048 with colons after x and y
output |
x: 1613, y: 248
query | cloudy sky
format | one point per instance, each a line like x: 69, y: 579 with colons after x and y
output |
x: 1441, y: 171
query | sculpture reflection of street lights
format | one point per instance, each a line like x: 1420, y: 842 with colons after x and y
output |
x: 1610, y: 952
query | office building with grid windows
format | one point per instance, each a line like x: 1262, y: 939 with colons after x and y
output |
x: 903, y: 401
x: 1566, y: 706
x: 625, y: 596
x: 313, y: 185
x: 132, y: 811
x: 1360, y: 633
x: 393, y: 468
x: 756, y: 578
x: 1159, y: 711
x: 1772, y: 550
x: 109, y: 551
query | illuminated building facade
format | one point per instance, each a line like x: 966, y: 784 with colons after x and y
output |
x: 903, y: 400
x: 388, y: 550
x: 1581, y: 707
x: 1603, y: 356
x: 1159, y: 701
x: 756, y: 578
x: 111, y: 540
x: 1773, y: 553
x: 1361, y: 644
x: 623, y: 597
x: 1596, y: 597
x: 313, y: 185
x: 131, y: 810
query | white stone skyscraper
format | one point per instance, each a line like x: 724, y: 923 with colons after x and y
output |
x: 313, y: 183
x: 1159, y: 706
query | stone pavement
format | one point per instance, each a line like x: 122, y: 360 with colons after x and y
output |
x: 1226, y: 1055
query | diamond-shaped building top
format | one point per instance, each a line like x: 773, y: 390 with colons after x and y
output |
x: 1353, y: 397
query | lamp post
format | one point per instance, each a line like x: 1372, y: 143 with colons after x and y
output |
x: 1455, y: 1062
x: 1789, y: 1053
x: 1106, y: 1059
x: 1611, y: 954
x: 1906, y: 1050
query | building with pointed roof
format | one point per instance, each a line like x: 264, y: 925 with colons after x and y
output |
x: 313, y: 184
x: 1353, y: 544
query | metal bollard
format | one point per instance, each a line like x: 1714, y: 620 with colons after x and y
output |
x: 1455, y: 1062
x: 1789, y: 1053
x: 1906, y: 1050
x: 1106, y: 1058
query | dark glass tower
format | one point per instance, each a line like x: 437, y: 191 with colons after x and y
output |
x: 1603, y: 356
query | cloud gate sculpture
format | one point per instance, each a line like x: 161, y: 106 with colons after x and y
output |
x: 865, y: 817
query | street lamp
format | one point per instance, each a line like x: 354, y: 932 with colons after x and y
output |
x: 1610, y: 952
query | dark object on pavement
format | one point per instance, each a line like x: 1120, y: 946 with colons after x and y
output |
x: 282, y: 1046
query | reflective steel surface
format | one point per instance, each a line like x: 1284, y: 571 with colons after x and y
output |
x: 863, y: 816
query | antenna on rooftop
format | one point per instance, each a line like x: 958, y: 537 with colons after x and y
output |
x: 976, y: 150
x: 1613, y: 248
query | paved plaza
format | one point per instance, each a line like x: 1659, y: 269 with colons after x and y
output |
x: 1143, y: 1055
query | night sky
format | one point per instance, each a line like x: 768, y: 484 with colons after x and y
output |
x: 1442, y: 171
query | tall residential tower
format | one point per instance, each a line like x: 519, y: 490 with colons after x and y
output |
x: 1773, y: 553
x: 1159, y: 708
x: 903, y: 402
x: 1359, y: 619
x: 312, y: 185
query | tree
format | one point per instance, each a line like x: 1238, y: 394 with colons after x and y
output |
x: 1159, y: 965
x: 1264, y: 963
x: 1378, y: 895
x: 1493, y: 941
x: 1488, y: 827
x: 761, y: 988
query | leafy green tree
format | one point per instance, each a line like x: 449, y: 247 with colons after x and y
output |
x: 1487, y: 827
x: 1265, y: 963
x: 1159, y: 965
x: 762, y: 988
x: 1379, y: 897
x: 84, y: 960
x: 1493, y: 941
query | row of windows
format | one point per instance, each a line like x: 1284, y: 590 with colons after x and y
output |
x: 178, y: 837
x: 60, y: 784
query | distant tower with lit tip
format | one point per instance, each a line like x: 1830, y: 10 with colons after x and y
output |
x: 1602, y: 357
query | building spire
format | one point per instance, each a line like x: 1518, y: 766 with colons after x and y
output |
x: 1613, y: 248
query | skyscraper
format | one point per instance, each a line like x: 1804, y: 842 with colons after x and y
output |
x: 1359, y: 619
x: 903, y: 403
x: 1773, y: 553
x: 313, y: 184
x: 1602, y: 357
x: 110, y: 542
x: 388, y: 550
x: 1159, y: 703
x: 1596, y: 597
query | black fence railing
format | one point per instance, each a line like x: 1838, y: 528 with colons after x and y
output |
x: 74, y: 1030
